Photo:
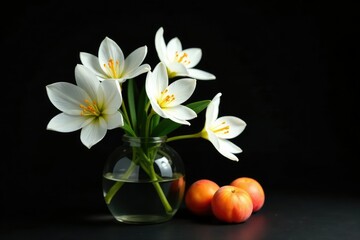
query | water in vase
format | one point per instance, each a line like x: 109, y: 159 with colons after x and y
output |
x: 139, y: 202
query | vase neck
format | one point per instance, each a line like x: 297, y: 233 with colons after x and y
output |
x: 139, y: 141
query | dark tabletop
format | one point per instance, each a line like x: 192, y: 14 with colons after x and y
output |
x: 284, y: 216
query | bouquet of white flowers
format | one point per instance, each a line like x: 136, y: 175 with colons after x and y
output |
x: 97, y: 104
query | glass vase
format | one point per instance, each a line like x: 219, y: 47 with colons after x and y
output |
x: 143, y: 181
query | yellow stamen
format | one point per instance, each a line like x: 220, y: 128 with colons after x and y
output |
x: 113, y: 68
x: 90, y: 108
x: 223, y: 127
x: 182, y: 57
x: 165, y: 98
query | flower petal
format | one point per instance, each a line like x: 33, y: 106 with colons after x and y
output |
x: 200, y: 74
x: 94, y: 132
x: 160, y: 45
x: 92, y: 62
x: 112, y: 94
x: 194, y: 54
x: 228, y: 155
x: 236, y: 126
x: 173, y: 47
x: 227, y: 149
x: 154, y: 86
x: 114, y: 120
x: 176, y: 69
x: 65, y: 123
x: 213, y: 139
x: 151, y: 89
x: 182, y: 89
x: 224, y: 147
x: 134, y: 60
x: 156, y: 107
x: 86, y: 80
x: 179, y: 114
x: 110, y: 50
x: 158, y: 80
x: 136, y: 72
x: 66, y: 97
x: 229, y: 146
x: 212, y: 110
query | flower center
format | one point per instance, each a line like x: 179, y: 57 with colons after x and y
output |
x: 90, y: 108
x: 165, y: 98
x: 182, y: 57
x: 112, y: 68
x: 222, y: 128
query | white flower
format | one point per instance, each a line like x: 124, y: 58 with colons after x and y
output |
x: 179, y: 62
x: 166, y: 99
x: 218, y: 130
x: 111, y: 63
x: 91, y: 106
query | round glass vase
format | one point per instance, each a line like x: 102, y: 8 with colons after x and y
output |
x: 143, y: 181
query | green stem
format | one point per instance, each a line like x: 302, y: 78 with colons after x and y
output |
x: 159, y: 190
x: 148, y: 167
x: 113, y: 190
x: 163, y: 198
x: 148, y: 121
x: 125, y: 114
x: 195, y: 135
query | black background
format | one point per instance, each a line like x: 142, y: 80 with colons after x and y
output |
x: 290, y: 71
